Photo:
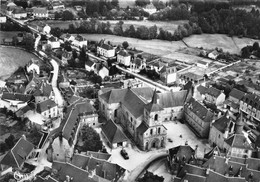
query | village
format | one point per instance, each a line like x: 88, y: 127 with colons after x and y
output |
x: 83, y: 109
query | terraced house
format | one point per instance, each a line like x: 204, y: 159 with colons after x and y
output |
x: 142, y: 111
x: 250, y: 107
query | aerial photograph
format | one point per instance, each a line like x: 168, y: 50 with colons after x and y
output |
x: 129, y: 90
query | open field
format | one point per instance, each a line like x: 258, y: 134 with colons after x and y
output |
x: 4, y: 34
x: 170, y: 26
x: 242, y: 42
x: 11, y: 59
x: 155, y: 46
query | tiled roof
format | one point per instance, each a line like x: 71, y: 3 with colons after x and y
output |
x: 18, y: 10
x: 40, y: 10
x: 238, y: 141
x: 252, y: 99
x: 221, y: 123
x: 106, y: 46
x: 202, y: 62
x: 53, y: 39
x: 113, y: 133
x: 79, y: 38
x: 80, y: 107
x: 89, y: 63
x: 44, y: 89
x: 18, y: 154
x: 213, y: 151
x: 201, y: 89
x: 137, y: 61
x: 199, y: 110
x: 45, y: 105
x: 236, y: 94
x: 123, y: 53
x: 213, y: 91
x: 142, y: 128
x: 193, y: 76
x: 17, y: 97
x: 172, y: 99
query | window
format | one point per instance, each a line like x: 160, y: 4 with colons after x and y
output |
x: 131, y: 119
x: 159, y: 130
x: 151, y: 131
x: 94, y: 124
x: 156, y: 117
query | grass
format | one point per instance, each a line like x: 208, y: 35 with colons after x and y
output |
x: 8, y: 35
x: 11, y: 59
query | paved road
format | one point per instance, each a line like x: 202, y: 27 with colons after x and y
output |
x: 134, y: 174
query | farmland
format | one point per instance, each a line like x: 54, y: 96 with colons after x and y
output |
x: 11, y: 59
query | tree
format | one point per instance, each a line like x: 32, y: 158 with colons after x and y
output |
x: 48, y: 49
x: 10, y: 141
x: 115, y: 3
x: 118, y: 29
x: 67, y: 15
x: 142, y: 2
x: 245, y: 53
x: 90, y: 139
x: 142, y: 32
x: 153, y: 32
x: 67, y: 46
x: 125, y: 44
x: 34, y: 136
x: 56, y: 32
x: 130, y: 32
x: 28, y: 41
x: 256, y: 46
x: 150, y: 177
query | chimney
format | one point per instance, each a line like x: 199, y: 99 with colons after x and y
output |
x: 227, y: 160
x: 207, y: 170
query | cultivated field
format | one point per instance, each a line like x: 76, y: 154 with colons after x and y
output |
x: 11, y: 59
x: 155, y: 46
x: 170, y: 26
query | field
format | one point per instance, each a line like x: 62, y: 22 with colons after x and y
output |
x: 155, y: 46
x: 170, y: 26
x: 7, y: 35
x: 11, y: 59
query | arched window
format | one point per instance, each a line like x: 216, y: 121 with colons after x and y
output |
x: 151, y: 131
x: 156, y: 117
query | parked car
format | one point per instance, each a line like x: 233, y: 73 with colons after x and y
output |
x: 124, y: 154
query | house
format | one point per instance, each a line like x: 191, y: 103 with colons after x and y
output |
x: 15, y: 158
x: 33, y: 66
x: 178, y: 156
x: 79, y: 41
x: 105, y: 50
x: 190, y: 76
x: 43, y: 91
x: 202, y: 64
x: 168, y: 73
x: 233, y: 101
x: 46, y: 29
x: 114, y: 135
x: 48, y: 108
x: 19, y: 13
x: 15, y: 101
x: 215, y: 96
x: 220, y: 130
x: 54, y: 42
x: 250, y: 107
x: 57, y: 5
x: 10, y: 7
x: 220, y: 168
x: 137, y: 64
x: 78, y: 114
x: 65, y: 57
x: 91, y: 65
x: 156, y: 65
x: 124, y: 57
x: 150, y: 8
x: 2, y: 19
x: 144, y: 121
x: 78, y: 8
x: 198, y: 117
x: 213, y: 55
x: 40, y: 12
x: 67, y: 37
x: 103, y: 71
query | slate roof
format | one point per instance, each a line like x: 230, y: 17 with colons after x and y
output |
x: 252, y: 99
x: 172, y: 99
x: 213, y: 91
x: 99, y: 155
x: 123, y: 53
x: 236, y: 94
x: 238, y: 141
x: 44, y: 89
x: 113, y: 133
x: 221, y: 123
x: 181, y: 151
x: 202, y: 62
x: 200, y: 110
x: 142, y: 128
x: 17, y: 155
x: 45, y: 105
x: 137, y: 61
x: 17, y: 97
x: 153, y: 106
x: 89, y: 63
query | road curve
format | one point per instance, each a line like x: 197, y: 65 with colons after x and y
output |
x: 134, y: 174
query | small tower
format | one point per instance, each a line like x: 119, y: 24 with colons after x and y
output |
x: 239, y: 125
